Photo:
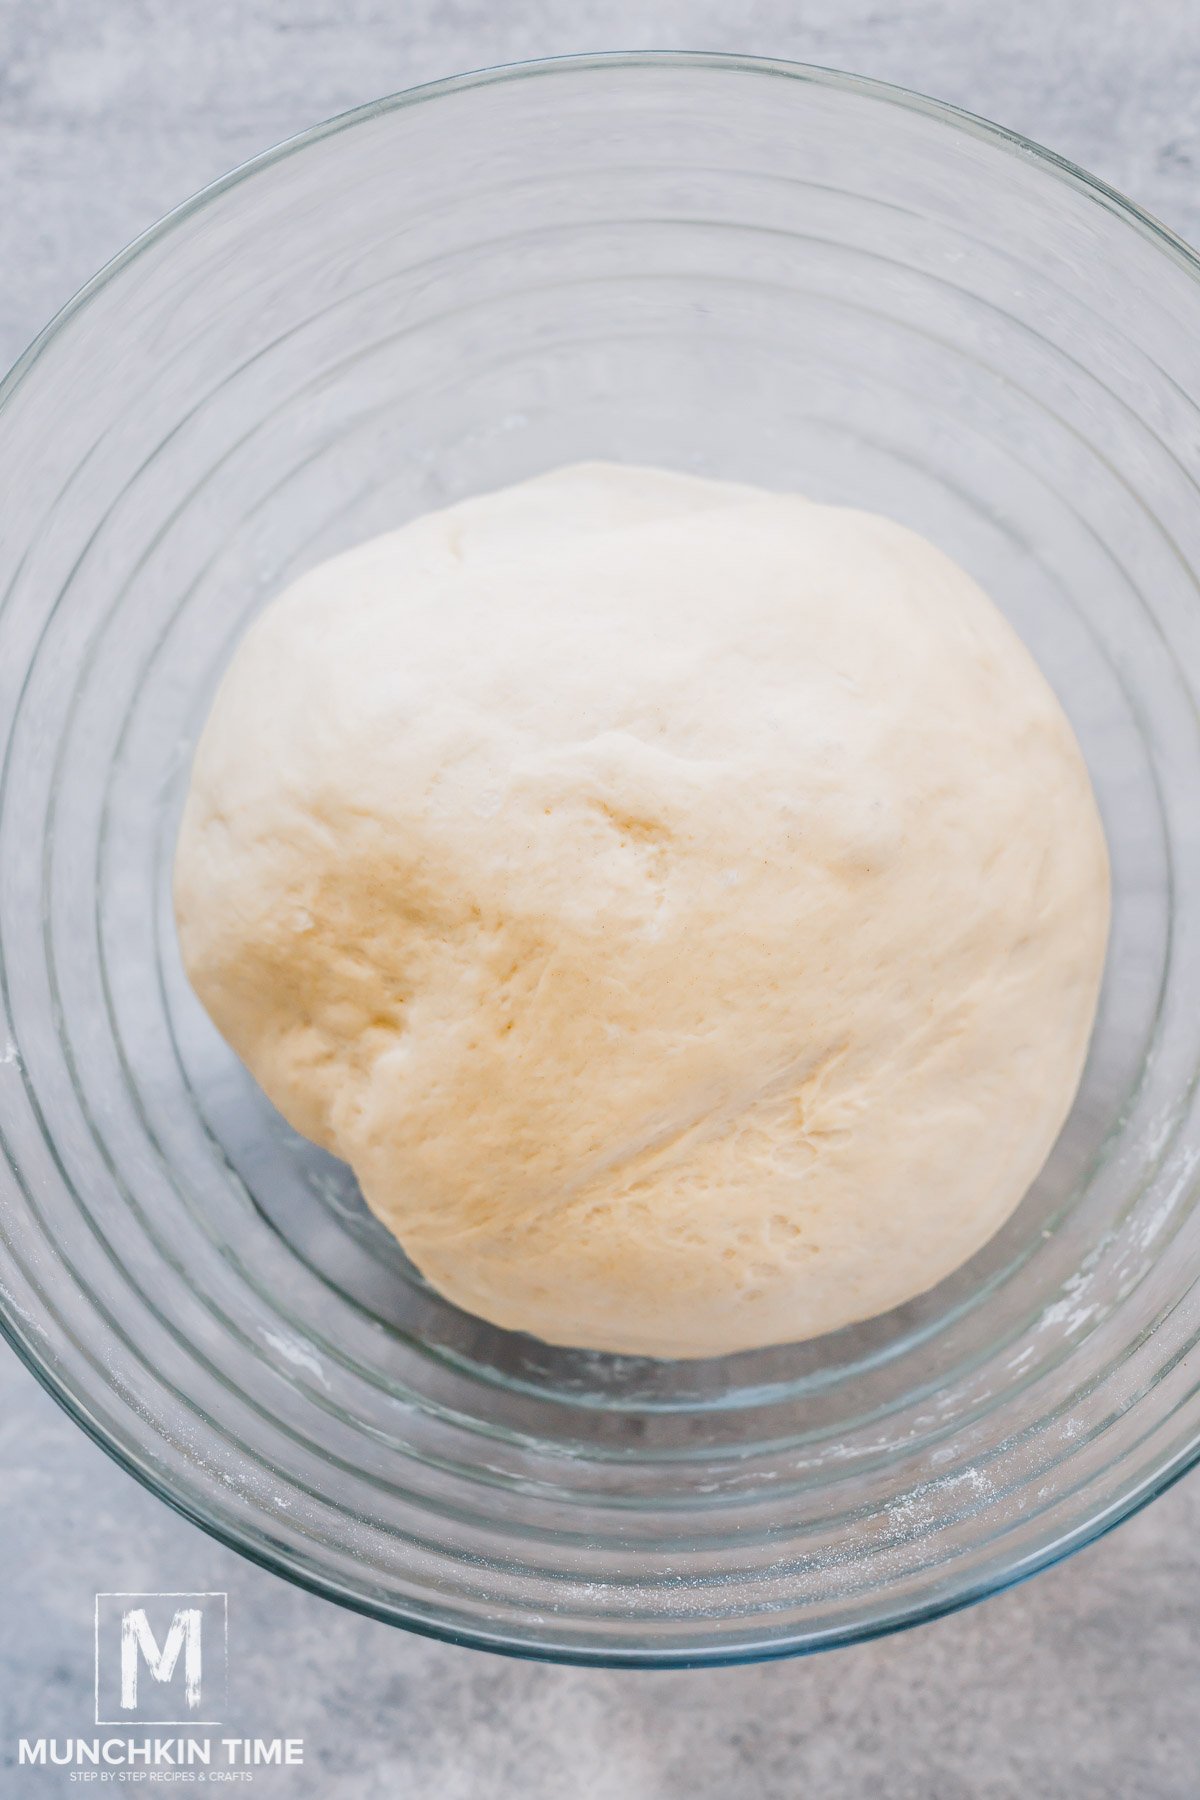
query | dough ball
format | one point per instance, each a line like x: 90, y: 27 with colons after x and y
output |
x: 683, y: 905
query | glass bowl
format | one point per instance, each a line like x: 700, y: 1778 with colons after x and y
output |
x: 752, y: 270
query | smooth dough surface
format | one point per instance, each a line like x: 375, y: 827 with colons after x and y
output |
x: 684, y: 906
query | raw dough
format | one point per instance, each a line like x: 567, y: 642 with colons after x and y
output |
x: 684, y: 906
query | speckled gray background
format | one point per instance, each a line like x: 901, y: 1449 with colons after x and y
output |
x: 1085, y: 1683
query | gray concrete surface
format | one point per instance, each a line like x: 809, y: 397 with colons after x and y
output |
x: 1083, y: 1683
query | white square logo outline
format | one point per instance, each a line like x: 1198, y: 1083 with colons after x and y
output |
x: 109, y: 1594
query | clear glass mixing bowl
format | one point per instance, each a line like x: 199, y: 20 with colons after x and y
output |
x: 749, y: 269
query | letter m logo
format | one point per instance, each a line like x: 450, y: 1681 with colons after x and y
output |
x: 160, y: 1658
x: 138, y: 1645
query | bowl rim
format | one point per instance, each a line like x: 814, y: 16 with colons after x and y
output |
x: 954, y: 118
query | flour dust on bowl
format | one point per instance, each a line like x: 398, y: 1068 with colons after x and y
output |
x: 749, y: 271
